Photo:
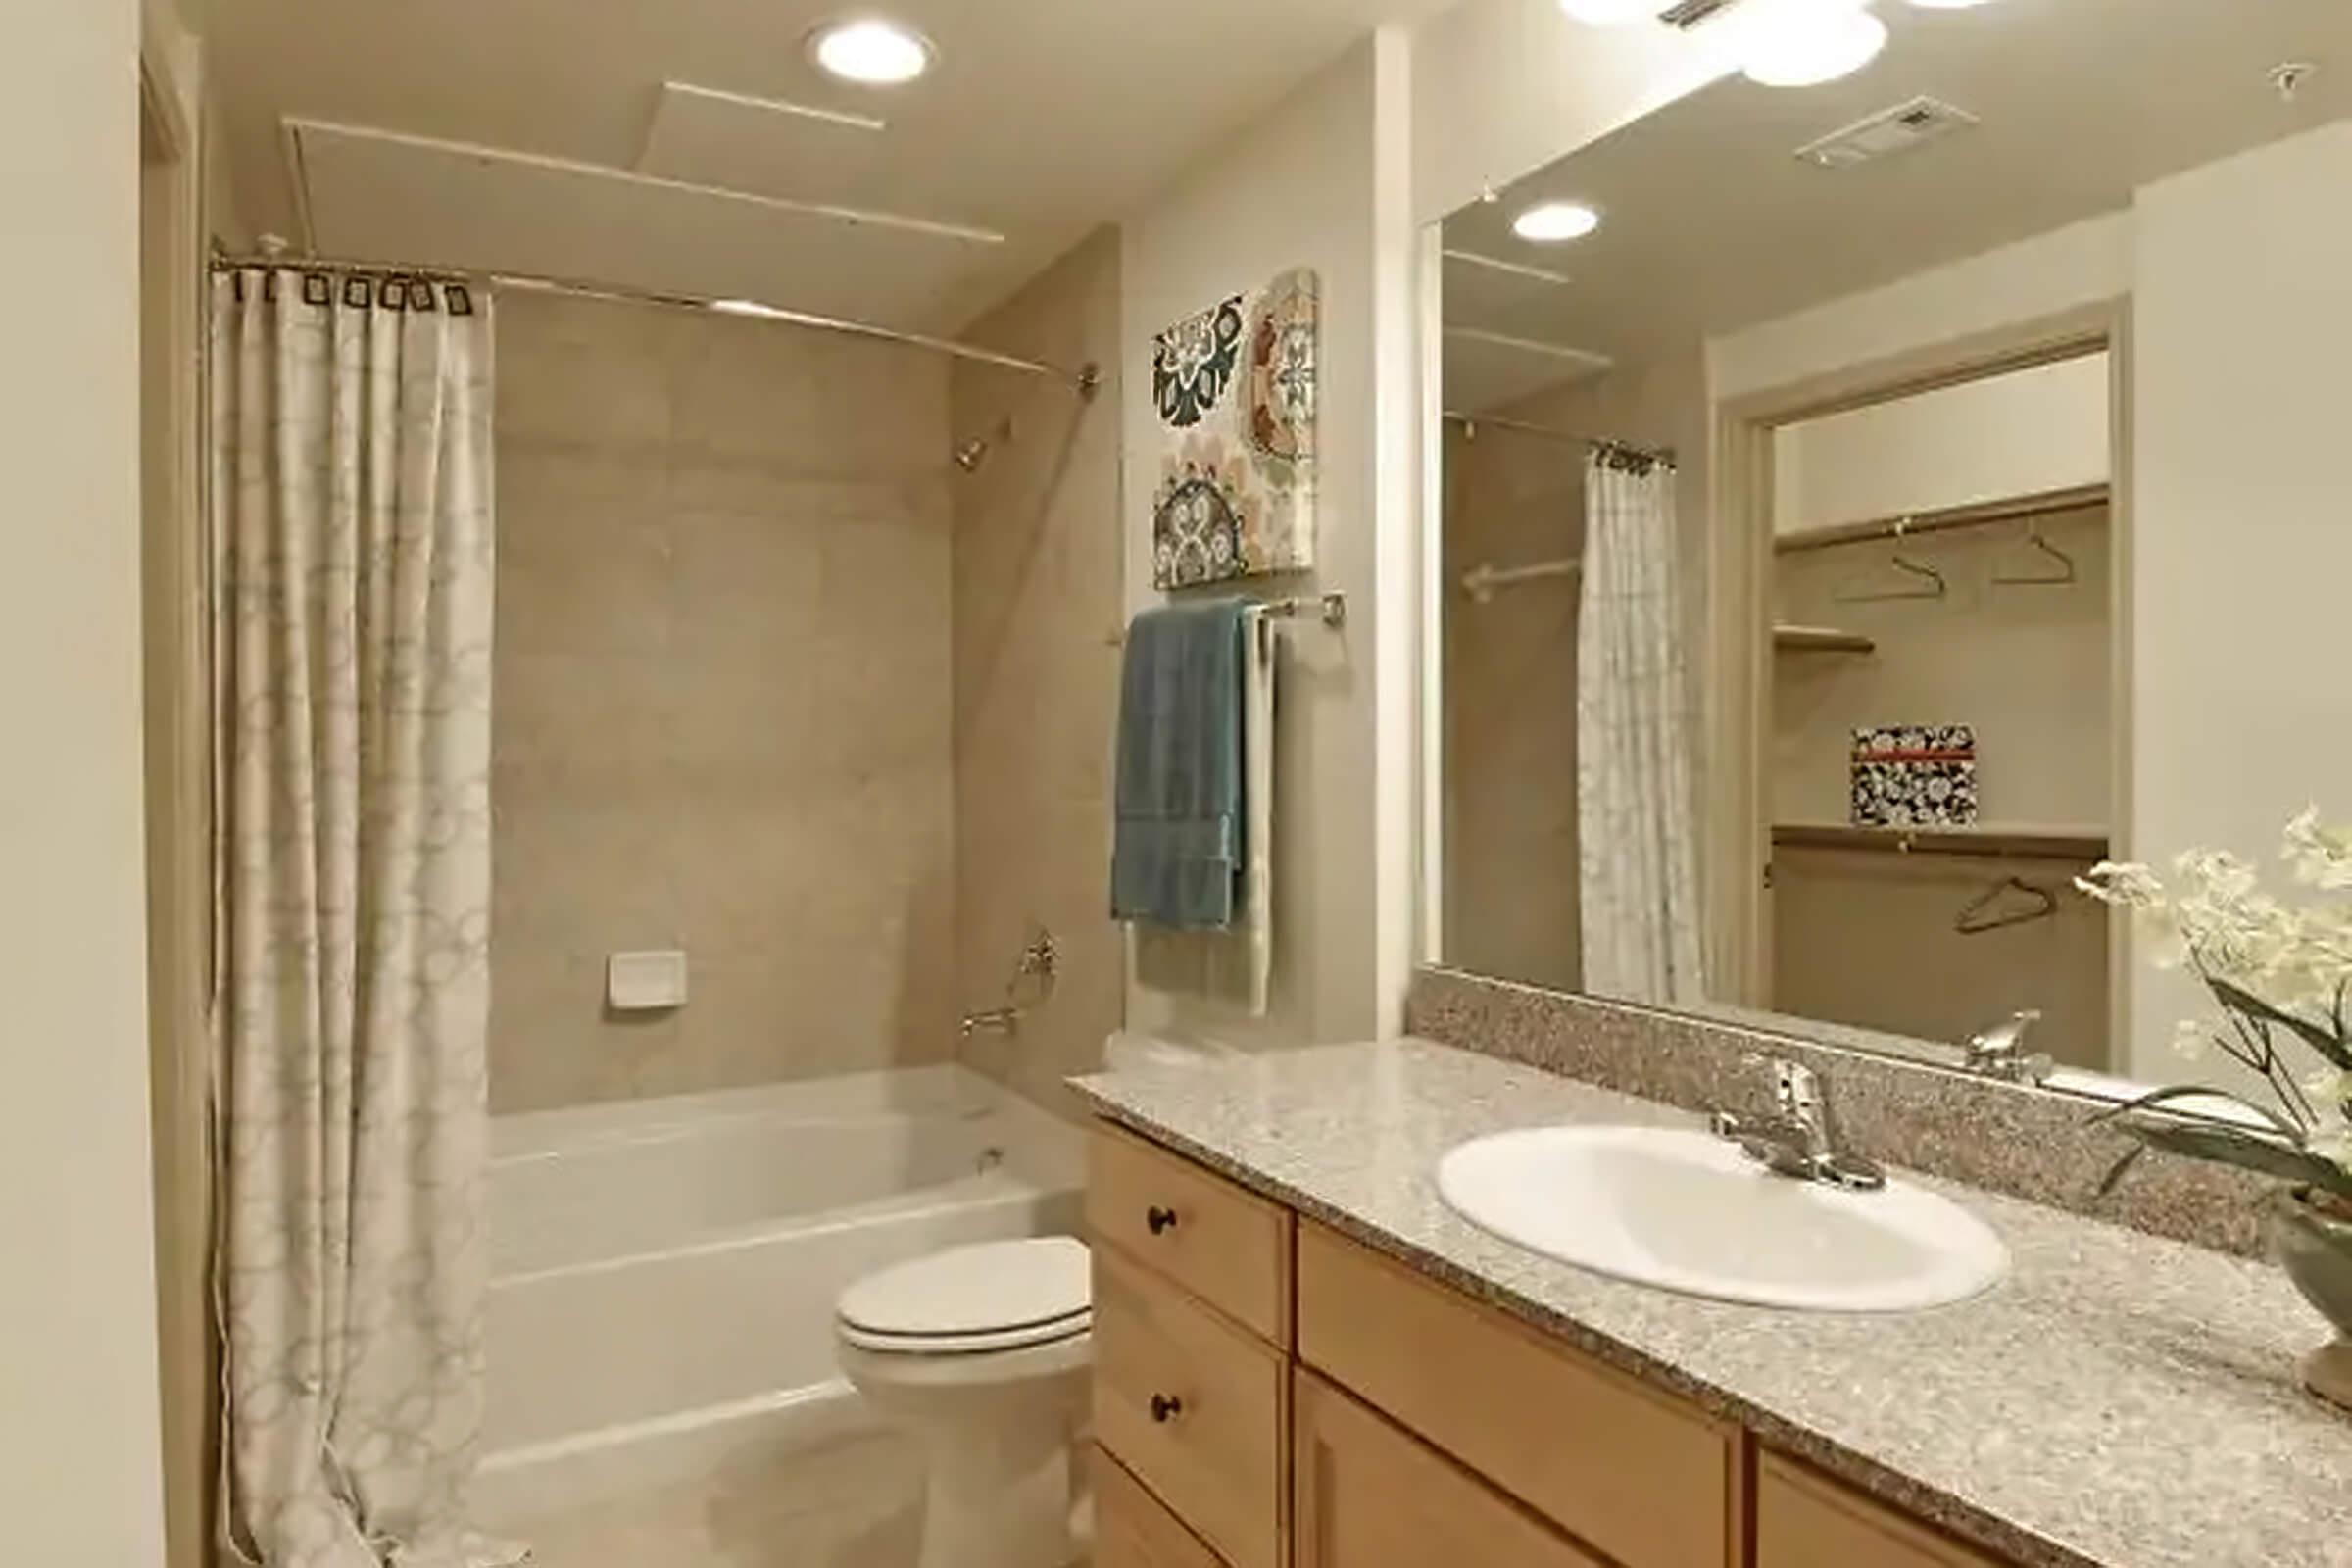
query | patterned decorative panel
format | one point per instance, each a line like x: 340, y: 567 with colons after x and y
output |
x: 1235, y: 387
x: 1915, y: 775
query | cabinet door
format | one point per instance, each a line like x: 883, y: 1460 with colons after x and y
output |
x: 1368, y: 1495
x: 1193, y: 1405
x: 1804, y: 1520
x: 1132, y: 1531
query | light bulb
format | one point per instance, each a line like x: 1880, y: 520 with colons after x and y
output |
x: 1803, y: 43
x: 872, y: 51
x: 1554, y: 221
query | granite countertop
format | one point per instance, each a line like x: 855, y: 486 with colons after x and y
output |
x: 2118, y: 1400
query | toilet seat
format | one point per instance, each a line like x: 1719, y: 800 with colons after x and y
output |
x: 972, y: 1301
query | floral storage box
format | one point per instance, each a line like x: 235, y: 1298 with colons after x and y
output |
x: 1915, y: 775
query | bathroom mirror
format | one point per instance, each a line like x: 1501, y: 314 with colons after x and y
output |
x: 1867, y: 507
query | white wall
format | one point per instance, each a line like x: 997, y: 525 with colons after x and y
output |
x: 1502, y: 88
x: 2242, y: 545
x: 2082, y: 264
x: 1323, y: 182
x: 79, y: 1423
x: 2023, y: 434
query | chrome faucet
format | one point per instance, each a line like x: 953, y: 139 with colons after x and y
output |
x: 1799, y: 1139
x: 2000, y: 1051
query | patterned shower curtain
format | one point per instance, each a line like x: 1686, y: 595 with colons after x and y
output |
x: 1635, y: 805
x: 351, y: 494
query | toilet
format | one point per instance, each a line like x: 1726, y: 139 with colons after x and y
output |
x: 981, y: 1354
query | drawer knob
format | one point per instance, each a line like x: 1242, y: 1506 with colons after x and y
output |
x: 1160, y: 1220
x: 1166, y: 1407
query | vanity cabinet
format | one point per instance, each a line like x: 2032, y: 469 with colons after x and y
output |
x: 1270, y: 1393
x: 1804, y: 1519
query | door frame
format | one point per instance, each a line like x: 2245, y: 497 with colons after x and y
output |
x: 1735, y: 815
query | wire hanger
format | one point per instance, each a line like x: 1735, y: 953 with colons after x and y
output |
x: 2043, y: 580
x: 1934, y: 585
x: 1980, y: 917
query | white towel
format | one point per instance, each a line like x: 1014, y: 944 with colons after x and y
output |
x: 1234, y: 967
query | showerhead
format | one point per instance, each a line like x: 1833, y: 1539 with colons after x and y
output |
x: 972, y: 455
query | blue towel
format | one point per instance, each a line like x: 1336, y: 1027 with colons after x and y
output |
x: 1176, y: 857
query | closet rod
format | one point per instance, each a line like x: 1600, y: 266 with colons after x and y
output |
x: 1085, y: 380
x: 1990, y: 845
x: 1978, y: 514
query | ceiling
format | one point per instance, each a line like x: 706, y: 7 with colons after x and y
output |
x: 1711, y: 223
x: 536, y: 136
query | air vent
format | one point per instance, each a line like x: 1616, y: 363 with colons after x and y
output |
x: 1886, y: 132
x: 1689, y: 13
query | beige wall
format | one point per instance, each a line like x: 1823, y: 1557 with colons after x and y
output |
x: 1322, y: 182
x: 1511, y: 720
x: 2023, y: 433
x: 2029, y: 666
x: 723, y: 701
x: 1037, y: 567
x: 2241, y: 329
x: 1867, y: 939
x: 2065, y: 271
x: 78, y: 1422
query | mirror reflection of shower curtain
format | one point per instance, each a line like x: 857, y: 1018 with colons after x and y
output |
x: 1635, y: 808
x: 351, y: 496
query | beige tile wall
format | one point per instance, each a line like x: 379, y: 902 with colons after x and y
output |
x: 1037, y: 589
x: 723, y: 711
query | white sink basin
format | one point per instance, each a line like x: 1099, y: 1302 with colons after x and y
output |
x: 1688, y: 1211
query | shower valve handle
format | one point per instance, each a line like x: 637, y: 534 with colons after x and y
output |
x: 1166, y: 1407
x: 1159, y: 1220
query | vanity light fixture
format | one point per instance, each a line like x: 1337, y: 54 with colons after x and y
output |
x: 1803, y: 43
x: 1552, y: 223
x: 1612, y: 13
x: 870, y: 51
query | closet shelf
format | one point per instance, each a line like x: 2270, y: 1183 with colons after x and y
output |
x: 1975, y: 514
x: 1821, y: 640
x: 1992, y: 843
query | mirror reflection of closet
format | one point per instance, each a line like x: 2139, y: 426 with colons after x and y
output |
x: 1941, y: 592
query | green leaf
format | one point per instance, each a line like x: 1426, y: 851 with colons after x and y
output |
x: 2117, y: 1171
x: 2161, y: 1097
x: 2328, y: 1044
x: 2246, y: 1149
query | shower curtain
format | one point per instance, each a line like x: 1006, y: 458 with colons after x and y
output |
x: 351, y: 510
x: 1634, y: 798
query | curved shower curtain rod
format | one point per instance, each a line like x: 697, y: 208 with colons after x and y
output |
x: 1085, y: 380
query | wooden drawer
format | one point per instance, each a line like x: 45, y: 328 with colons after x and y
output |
x: 1132, y: 1531
x: 1227, y: 1247
x: 1367, y: 1495
x: 1644, y: 1478
x: 1194, y: 1406
x: 1804, y: 1519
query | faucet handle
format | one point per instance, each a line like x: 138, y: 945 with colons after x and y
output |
x: 1795, y: 1088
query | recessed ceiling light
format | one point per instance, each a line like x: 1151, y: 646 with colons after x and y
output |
x: 871, y: 51
x: 1554, y: 221
x: 1807, y: 42
x: 1609, y: 13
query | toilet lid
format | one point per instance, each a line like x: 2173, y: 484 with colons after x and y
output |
x: 995, y: 1296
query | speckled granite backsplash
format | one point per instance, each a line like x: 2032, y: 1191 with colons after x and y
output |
x: 2005, y: 1138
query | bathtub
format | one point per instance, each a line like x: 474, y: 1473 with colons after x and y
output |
x: 664, y: 1272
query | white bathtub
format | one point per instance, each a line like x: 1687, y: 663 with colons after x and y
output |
x: 664, y: 1271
